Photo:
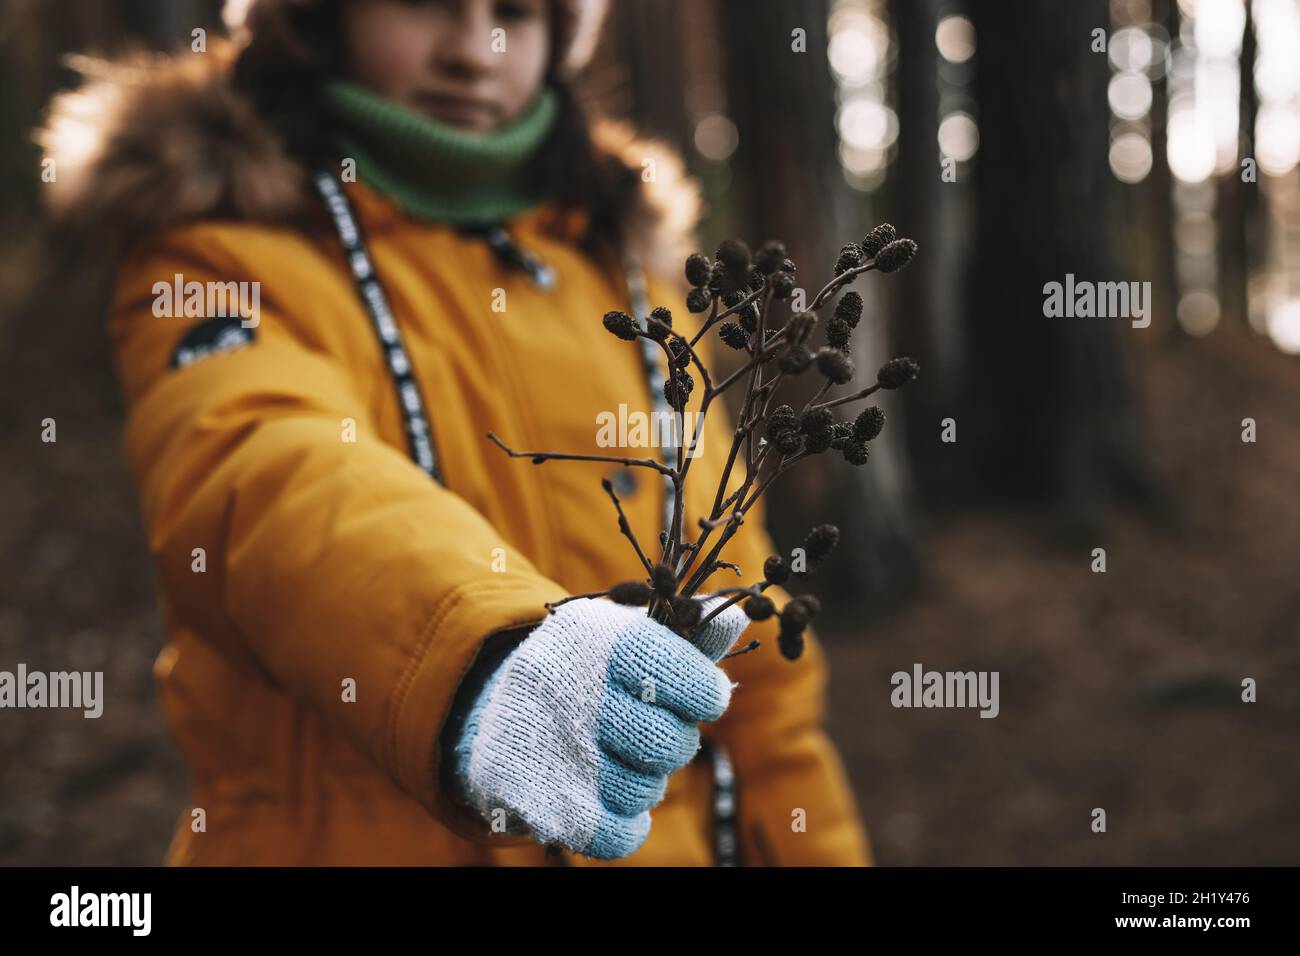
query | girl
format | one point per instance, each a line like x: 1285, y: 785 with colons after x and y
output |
x: 353, y: 241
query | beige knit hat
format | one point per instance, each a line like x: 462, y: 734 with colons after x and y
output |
x: 579, y: 23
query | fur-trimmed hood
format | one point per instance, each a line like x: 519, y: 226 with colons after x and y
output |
x: 149, y: 144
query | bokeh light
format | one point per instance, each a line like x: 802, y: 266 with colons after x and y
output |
x: 1198, y: 312
x: 955, y: 39
x: 866, y: 124
x: 1130, y: 157
x: 1277, y: 75
x: 857, y: 47
x: 1284, y: 325
x: 1277, y: 140
x: 1129, y: 95
x: 1130, y: 50
x: 716, y: 137
x: 859, y: 51
x: 1190, y: 151
x: 959, y: 137
x: 1218, y: 27
x: 1277, y: 82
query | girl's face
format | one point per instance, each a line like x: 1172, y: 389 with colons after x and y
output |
x: 475, y: 64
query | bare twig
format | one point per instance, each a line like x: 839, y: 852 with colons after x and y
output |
x: 839, y: 282
x: 552, y: 605
x: 849, y: 398
x: 539, y: 457
x: 751, y: 646
x: 625, y: 527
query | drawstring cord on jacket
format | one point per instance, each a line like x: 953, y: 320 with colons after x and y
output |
x: 419, y: 432
x: 513, y: 255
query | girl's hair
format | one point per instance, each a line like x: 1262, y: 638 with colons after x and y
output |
x: 295, y: 45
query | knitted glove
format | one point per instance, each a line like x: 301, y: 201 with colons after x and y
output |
x: 575, y: 734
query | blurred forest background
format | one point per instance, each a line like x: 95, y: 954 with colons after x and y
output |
x: 1015, y: 150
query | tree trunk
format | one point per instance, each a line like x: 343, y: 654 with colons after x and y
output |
x: 788, y: 184
x: 933, y: 323
x: 1051, y: 408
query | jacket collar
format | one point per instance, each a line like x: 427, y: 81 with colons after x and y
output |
x: 150, y: 144
x: 381, y: 213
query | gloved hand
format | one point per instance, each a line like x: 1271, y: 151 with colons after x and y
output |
x: 575, y: 734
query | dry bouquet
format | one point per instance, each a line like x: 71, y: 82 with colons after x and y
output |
x: 738, y: 290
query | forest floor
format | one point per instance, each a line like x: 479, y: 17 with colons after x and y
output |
x: 1121, y: 690
x: 1118, y: 690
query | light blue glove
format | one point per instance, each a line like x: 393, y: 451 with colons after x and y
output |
x: 573, y: 737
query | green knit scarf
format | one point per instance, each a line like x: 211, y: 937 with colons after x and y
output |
x: 433, y: 170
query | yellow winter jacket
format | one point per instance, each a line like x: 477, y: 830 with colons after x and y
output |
x: 323, y: 597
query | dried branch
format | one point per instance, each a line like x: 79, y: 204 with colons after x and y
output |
x: 769, y: 440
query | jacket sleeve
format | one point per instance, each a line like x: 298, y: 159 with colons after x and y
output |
x: 327, y: 560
